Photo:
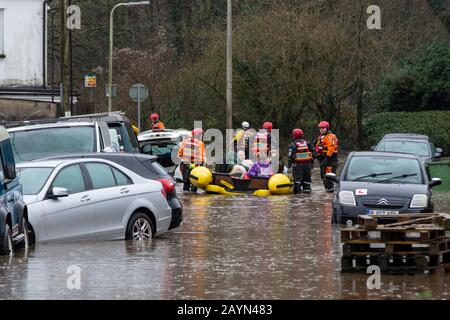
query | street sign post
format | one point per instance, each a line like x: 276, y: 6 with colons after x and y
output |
x: 113, y: 91
x: 139, y: 93
x: 90, y: 81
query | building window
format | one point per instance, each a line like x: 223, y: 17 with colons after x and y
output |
x: 2, y: 52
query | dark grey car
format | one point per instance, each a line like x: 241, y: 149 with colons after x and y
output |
x: 381, y: 183
x: 417, y: 144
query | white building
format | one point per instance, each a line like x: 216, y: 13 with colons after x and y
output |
x: 22, y: 43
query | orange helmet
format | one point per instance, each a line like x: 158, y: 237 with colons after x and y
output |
x: 297, y: 133
x: 268, y: 125
x: 154, y: 116
x: 324, y: 124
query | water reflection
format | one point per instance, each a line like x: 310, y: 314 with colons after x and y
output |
x: 239, y: 247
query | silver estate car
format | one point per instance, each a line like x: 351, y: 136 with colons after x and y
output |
x: 91, y: 199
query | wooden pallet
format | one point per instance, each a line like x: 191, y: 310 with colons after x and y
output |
x: 397, y: 244
x: 393, y: 263
x: 373, y: 221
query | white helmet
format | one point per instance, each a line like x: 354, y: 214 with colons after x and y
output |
x: 245, y: 125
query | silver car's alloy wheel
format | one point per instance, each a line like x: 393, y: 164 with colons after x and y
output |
x: 142, y: 230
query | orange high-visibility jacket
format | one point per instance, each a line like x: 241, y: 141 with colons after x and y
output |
x: 192, y: 151
x: 158, y: 126
x: 330, y: 144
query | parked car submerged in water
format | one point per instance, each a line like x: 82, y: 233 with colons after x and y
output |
x: 147, y: 167
x: 35, y: 141
x: 87, y: 199
x: 381, y: 183
x: 417, y: 144
x: 163, y: 144
x: 13, y: 214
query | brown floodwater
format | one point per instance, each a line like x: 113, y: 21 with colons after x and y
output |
x: 240, y: 247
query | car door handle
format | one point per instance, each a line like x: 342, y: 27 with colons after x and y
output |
x: 85, y: 198
x: 124, y: 191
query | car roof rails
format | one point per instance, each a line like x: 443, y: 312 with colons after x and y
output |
x: 103, y: 116
x: 413, y: 136
x: 15, y: 124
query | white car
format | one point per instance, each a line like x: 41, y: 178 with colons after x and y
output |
x: 87, y: 199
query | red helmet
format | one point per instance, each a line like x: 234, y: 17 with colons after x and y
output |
x: 297, y: 133
x: 324, y: 124
x: 268, y: 125
x: 197, y: 132
x: 154, y: 116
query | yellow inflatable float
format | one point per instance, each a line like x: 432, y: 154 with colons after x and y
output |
x: 222, y: 183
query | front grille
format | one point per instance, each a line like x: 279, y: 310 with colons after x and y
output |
x: 379, y: 202
x: 383, y: 207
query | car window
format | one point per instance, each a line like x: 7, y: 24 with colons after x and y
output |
x: 121, y: 178
x: 2, y: 174
x: 70, y: 178
x: 133, y: 138
x: 159, y: 149
x: 33, y: 179
x: 101, y: 175
x: 155, y: 170
x: 384, y: 169
x: 414, y: 147
x: 46, y: 142
x: 116, y: 139
x: 433, y: 149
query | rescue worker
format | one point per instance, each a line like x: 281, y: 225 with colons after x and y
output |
x: 156, y: 124
x: 326, y: 146
x: 192, y: 154
x: 300, y: 160
x: 263, y: 140
x: 242, y: 138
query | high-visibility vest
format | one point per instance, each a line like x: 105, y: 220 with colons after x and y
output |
x: 262, y: 142
x: 192, y: 151
x: 327, y: 144
x: 157, y: 126
x: 302, y: 152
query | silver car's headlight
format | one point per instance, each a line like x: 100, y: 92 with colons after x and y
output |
x: 419, y: 201
x: 347, y: 197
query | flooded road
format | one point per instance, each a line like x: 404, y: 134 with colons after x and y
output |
x: 228, y: 248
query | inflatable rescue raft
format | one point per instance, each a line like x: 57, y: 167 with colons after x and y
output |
x: 222, y: 183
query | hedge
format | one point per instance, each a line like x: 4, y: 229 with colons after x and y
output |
x: 434, y: 124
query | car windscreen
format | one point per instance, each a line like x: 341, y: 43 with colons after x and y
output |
x: 33, y: 179
x: 384, y: 170
x: 46, y: 142
x: 159, y: 149
x: 414, y: 147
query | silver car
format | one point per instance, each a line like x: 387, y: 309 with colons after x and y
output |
x: 88, y: 199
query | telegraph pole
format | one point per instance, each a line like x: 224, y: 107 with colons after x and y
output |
x: 65, y: 57
x: 229, y: 66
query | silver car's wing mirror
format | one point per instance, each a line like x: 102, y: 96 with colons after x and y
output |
x: 59, y: 193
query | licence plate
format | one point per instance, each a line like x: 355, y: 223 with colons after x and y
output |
x: 383, y: 212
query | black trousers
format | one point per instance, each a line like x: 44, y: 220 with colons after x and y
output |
x: 301, y: 172
x: 186, y: 172
x: 330, y: 167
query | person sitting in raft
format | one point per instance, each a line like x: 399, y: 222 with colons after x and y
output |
x: 261, y: 169
x: 246, y: 163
